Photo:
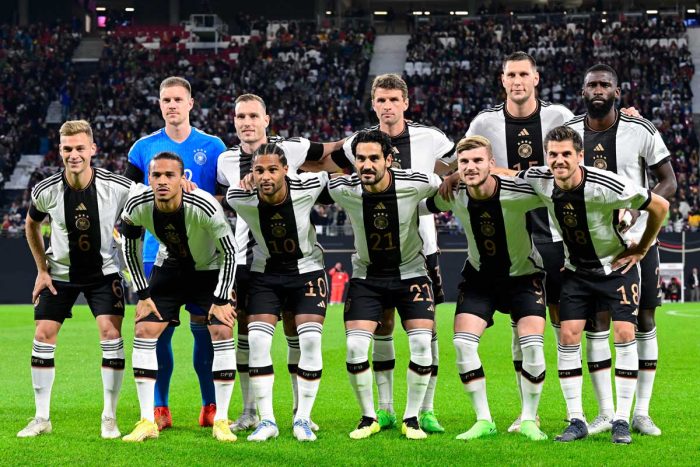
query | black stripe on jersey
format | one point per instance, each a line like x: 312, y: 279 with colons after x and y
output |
x: 240, y: 193
x: 570, y: 212
x: 402, y: 148
x: 660, y: 163
x: 432, y: 207
x: 497, y: 108
x: 278, y: 226
x: 171, y: 231
x: 112, y: 177
x: 138, y: 200
x: 639, y: 121
x: 380, y: 215
x: 512, y: 186
x: 132, y: 260
x: 606, y: 182
x: 524, y: 141
x: 344, y: 181
x: 199, y: 202
x: 600, y: 147
x: 420, y: 125
x: 44, y: 184
x: 575, y: 120
x: 82, y: 217
x: 489, y: 229
x: 304, y: 185
x: 414, y: 176
x: 223, y: 291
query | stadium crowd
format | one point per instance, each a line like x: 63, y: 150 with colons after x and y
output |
x: 315, y: 78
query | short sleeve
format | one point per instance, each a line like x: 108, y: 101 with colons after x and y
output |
x: 655, y: 150
x: 135, y: 157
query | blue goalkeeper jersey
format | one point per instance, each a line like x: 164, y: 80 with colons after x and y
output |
x: 199, y: 153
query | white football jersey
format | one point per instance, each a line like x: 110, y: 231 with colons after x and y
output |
x: 498, y: 242
x: 517, y: 144
x: 627, y: 148
x: 417, y: 148
x: 233, y: 165
x: 586, y: 217
x: 285, y: 238
x: 387, y: 240
x: 82, y: 248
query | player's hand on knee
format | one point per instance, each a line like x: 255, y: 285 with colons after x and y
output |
x: 43, y: 281
x: 631, y: 112
x: 223, y: 313
x: 187, y: 185
x: 145, y: 308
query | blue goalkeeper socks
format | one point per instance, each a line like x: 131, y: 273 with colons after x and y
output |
x: 164, y: 351
x: 202, y: 359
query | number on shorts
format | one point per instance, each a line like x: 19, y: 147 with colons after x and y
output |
x: 320, y: 284
x: 416, y: 288
x: 634, y: 288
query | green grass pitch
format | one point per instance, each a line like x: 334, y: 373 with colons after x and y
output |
x: 77, y: 403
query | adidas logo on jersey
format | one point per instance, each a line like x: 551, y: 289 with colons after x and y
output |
x: 277, y: 216
x: 599, y: 148
x: 569, y: 206
x: 486, y: 215
x: 170, y: 227
x: 524, y: 132
x: 81, y: 207
x: 380, y: 206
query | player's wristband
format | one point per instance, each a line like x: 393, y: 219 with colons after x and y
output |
x: 220, y: 301
x: 144, y: 294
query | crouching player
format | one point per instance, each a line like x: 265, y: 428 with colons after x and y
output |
x: 287, y: 275
x: 503, y: 272
x: 195, y: 264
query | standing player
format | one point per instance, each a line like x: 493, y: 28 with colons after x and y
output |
x: 424, y: 149
x: 199, y: 152
x: 627, y: 146
x: 286, y: 274
x: 83, y: 205
x: 516, y: 129
x: 388, y: 271
x: 251, y: 121
x: 499, y: 259
x: 195, y: 264
x: 601, y: 271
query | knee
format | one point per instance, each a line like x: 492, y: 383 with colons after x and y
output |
x: 220, y: 333
x: 109, y: 333
x: 646, y: 321
x: 601, y: 322
x: 624, y: 334
x: 46, y: 336
x: 570, y: 336
x: 358, y: 349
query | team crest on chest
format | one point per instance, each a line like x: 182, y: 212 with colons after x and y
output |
x: 570, y: 216
x: 524, y: 145
x: 380, y: 217
x: 487, y: 227
x: 82, y: 220
x: 599, y: 159
x: 279, y: 227
x: 200, y: 156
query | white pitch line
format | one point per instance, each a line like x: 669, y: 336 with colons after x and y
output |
x: 683, y: 314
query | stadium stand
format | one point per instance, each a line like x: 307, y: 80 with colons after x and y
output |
x: 314, y: 77
x: 453, y: 72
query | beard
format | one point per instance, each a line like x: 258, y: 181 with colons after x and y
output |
x: 598, y: 110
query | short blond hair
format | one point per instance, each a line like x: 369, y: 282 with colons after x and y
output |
x: 74, y: 127
x: 390, y: 81
x: 474, y: 142
x: 172, y: 81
